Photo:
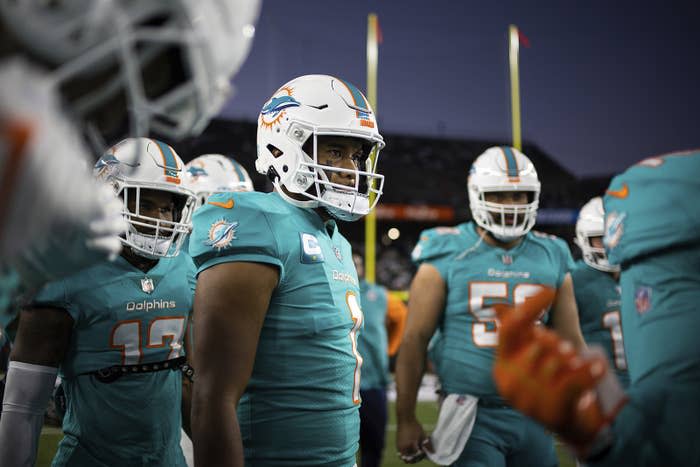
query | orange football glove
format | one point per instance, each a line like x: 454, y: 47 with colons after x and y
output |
x: 573, y: 395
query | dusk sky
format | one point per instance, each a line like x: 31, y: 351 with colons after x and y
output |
x: 604, y: 83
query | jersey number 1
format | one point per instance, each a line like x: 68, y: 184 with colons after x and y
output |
x: 611, y: 320
x: 357, y: 317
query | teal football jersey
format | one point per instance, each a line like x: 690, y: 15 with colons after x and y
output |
x: 660, y: 318
x: 653, y: 206
x: 123, y: 316
x: 598, y: 301
x: 477, y: 278
x: 438, y: 245
x: 301, y: 403
x: 652, y: 229
x: 373, y: 341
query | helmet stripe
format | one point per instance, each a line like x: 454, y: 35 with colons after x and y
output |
x: 511, y: 163
x: 168, y: 156
x: 357, y: 98
x: 171, y: 168
x: 239, y: 172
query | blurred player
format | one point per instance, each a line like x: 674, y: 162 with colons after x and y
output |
x: 651, y: 231
x: 463, y: 272
x: 385, y: 319
x: 216, y: 173
x: 597, y: 289
x: 206, y: 175
x: 277, y: 308
x: 73, y: 71
x: 115, y: 330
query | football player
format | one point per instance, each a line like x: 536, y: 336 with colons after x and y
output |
x: 77, y: 76
x: 463, y: 272
x: 216, y: 173
x: 651, y: 230
x: 206, y: 175
x: 277, y: 308
x: 597, y: 289
x: 115, y: 330
x: 385, y: 319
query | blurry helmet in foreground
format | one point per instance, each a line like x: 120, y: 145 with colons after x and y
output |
x: 168, y: 62
x: 212, y: 173
x: 138, y: 164
x: 293, y: 118
x: 500, y: 169
x: 591, y: 223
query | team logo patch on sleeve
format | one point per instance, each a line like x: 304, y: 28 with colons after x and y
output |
x: 221, y: 234
x: 310, y: 249
x: 614, y: 228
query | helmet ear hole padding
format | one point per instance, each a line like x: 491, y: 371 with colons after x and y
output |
x: 275, y: 151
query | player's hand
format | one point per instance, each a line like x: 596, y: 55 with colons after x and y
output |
x: 574, y: 395
x: 412, y: 442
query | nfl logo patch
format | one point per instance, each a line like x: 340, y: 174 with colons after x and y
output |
x: 642, y: 299
x: 507, y: 259
x: 147, y: 285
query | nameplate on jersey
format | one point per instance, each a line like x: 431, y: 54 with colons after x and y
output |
x: 310, y: 249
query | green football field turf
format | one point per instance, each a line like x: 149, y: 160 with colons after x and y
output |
x: 426, y: 411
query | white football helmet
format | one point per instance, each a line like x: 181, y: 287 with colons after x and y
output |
x: 212, y: 173
x: 498, y: 169
x: 137, y: 164
x: 168, y: 62
x: 591, y: 223
x: 299, y: 112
